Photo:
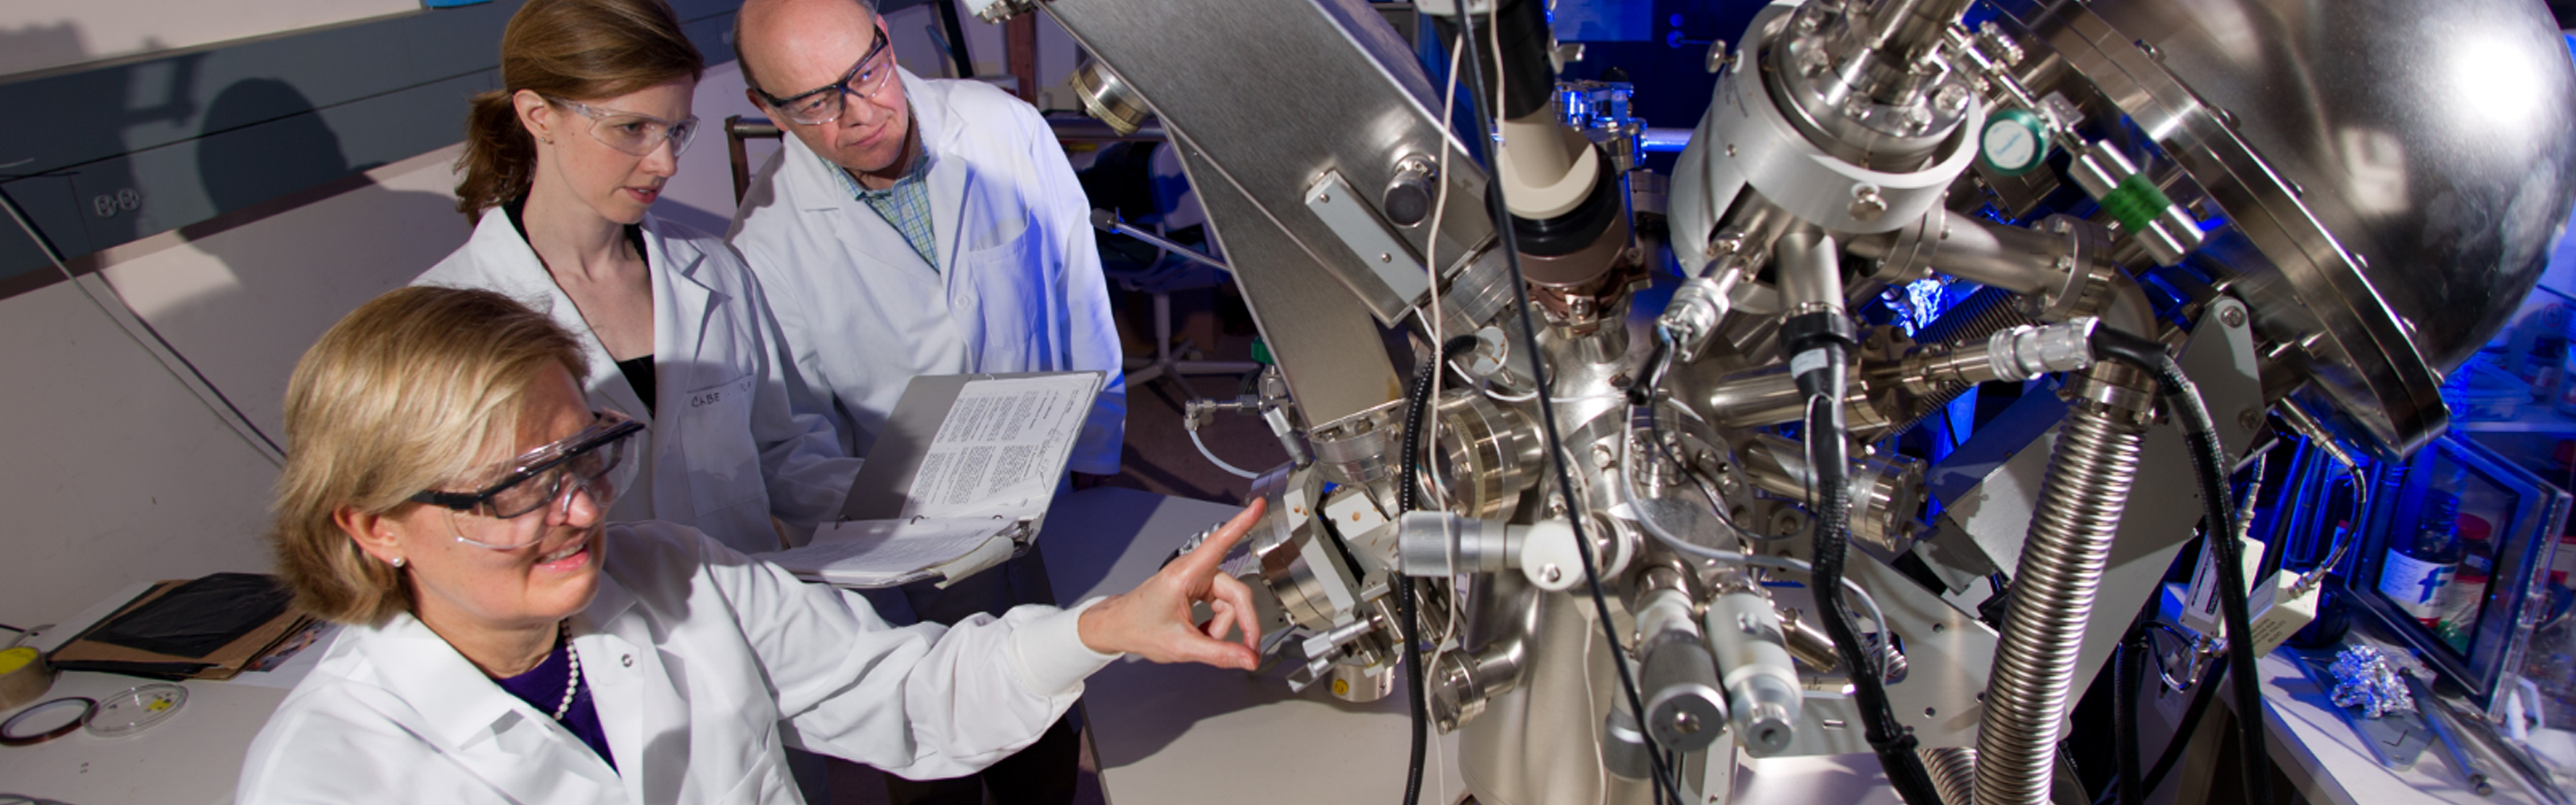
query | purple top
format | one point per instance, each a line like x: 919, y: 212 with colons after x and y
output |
x: 543, y: 688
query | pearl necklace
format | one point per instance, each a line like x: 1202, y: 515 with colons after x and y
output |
x: 572, y: 684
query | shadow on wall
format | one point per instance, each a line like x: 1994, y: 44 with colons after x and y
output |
x: 241, y: 171
x: 59, y: 200
x: 308, y: 238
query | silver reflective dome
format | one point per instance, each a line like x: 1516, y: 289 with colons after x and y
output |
x: 2394, y: 172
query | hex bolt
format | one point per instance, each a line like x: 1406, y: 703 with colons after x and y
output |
x: 1952, y: 98
x: 2249, y: 419
x: 1917, y: 117
x: 2232, y: 316
x: 1867, y: 204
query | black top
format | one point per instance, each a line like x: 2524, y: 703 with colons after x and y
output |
x: 639, y: 374
x: 638, y: 371
x: 543, y: 687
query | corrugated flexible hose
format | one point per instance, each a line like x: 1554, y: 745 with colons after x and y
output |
x: 2052, y: 598
x: 1954, y: 772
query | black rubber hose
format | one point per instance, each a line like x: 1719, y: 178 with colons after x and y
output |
x: 1828, y: 459
x: 2124, y: 713
x: 1667, y: 788
x: 2201, y: 698
x: 2209, y: 465
x: 1407, y: 609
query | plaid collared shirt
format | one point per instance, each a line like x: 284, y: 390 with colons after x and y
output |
x: 906, y: 205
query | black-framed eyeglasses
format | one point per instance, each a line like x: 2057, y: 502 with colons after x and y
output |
x: 585, y: 458
x: 815, y: 107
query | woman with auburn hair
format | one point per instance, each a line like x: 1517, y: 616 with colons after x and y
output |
x: 443, y: 496
x: 560, y: 168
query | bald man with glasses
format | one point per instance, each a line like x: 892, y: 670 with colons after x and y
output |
x: 922, y: 227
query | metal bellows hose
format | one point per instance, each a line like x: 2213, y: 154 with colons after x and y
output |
x: 2052, y: 597
x: 1954, y: 772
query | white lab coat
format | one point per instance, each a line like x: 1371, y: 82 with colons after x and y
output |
x: 727, y: 447
x: 703, y: 664
x: 1017, y: 289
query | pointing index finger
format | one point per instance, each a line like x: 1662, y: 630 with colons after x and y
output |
x: 1205, y: 558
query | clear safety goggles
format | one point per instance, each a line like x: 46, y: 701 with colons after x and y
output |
x: 592, y: 461
x: 634, y: 133
x: 815, y: 107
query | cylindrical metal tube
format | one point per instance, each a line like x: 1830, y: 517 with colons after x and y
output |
x: 1769, y: 396
x: 1684, y: 709
x: 2013, y: 258
x: 1464, y: 682
x: 1810, y: 272
x: 1761, y: 684
x: 1433, y: 544
x: 2052, y: 598
x: 1623, y: 746
x: 1808, y: 643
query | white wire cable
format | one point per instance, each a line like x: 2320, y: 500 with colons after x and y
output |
x: 1431, y: 422
x: 1528, y: 396
x: 1220, y: 463
x: 1430, y: 442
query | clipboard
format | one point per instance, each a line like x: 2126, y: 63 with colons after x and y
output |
x: 894, y: 462
x: 891, y: 534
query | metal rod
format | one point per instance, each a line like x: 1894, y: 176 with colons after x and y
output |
x: 1107, y: 221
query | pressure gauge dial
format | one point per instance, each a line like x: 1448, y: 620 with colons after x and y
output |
x: 2013, y: 142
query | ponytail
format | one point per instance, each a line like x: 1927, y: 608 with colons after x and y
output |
x: 499, y: 155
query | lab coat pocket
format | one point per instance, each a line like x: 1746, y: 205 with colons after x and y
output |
x: 1012, y: 289
x: 723, y: 464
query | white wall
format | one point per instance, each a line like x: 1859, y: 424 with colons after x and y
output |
x: 115, y: 473
x: 42, y: 34
x: 112, y: 472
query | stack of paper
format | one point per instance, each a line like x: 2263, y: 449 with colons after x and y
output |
x: 945, y: 500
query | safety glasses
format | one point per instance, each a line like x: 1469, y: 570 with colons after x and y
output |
x: 815, y: 107
x: 634, y: 133
x: 591, y: 461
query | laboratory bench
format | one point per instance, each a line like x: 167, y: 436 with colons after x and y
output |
x: 1195, y: 734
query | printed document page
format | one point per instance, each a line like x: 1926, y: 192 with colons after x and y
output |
x: 1001, y: 448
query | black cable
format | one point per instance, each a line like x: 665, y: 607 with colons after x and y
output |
x: 1828, y: 459
x: 2201, y: 698
x: 2125, y: 681
x: 2209, y: 463
x: 1407, y: 496
x: 1666, y: 788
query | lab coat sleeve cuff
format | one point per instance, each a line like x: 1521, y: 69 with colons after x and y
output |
x: 1049, y: 655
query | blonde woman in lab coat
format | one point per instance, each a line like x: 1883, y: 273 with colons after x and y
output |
x: 444, y: 494
x: 560, y: 168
